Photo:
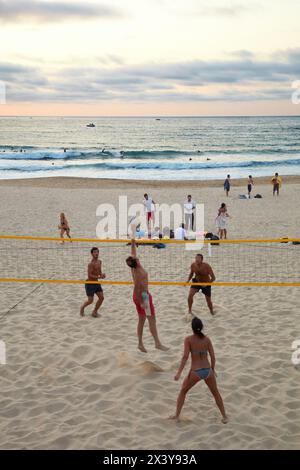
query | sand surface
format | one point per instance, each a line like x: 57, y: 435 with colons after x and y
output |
x: 81, y: 383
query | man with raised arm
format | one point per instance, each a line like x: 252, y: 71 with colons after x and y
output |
x: 143, y: 300
x: 203, y: 273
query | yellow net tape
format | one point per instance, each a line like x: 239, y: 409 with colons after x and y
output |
x: 267, y: 262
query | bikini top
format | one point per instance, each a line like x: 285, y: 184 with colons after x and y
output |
x: 200, y: 353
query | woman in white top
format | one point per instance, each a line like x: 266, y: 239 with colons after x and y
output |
x: 221, y: 221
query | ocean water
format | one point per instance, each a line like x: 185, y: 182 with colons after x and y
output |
x: 168, y: 148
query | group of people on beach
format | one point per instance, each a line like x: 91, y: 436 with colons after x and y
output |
x: 198, y: 345
x: 276, y: 182
x: 181, y: 232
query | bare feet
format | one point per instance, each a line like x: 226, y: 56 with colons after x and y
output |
x: 95, y: 314
x: 82, y: 312
x: 176, y: 418
x: 142, y: 348
x: 225, y: 420
x: 161, y: 347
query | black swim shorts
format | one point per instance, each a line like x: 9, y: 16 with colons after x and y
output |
x: 92, y: 289
x: 206, y: 290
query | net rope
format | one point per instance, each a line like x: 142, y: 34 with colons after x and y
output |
x: 235, y: 262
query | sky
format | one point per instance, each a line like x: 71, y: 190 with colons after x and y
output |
x: 149, y: 57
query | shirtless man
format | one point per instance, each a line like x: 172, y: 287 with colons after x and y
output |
x: 143, y: 300
x: 94, y: 273
x: 203, y: 273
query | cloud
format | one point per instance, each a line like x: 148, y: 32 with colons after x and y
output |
x: 18, y: 11
x: 234, y: 10
x: 207, y: 8
x: 238, y: 79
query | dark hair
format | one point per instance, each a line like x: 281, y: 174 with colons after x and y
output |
x: 94, y: 249
x: 276, y: 174
x: 199, y: 254
x: 197, y: 327
x: 132, y: 262
x: 182, y: 225
x: 250, y: 176
x: 189, y: 195
x: 228, y: 176
x: 145, y: 194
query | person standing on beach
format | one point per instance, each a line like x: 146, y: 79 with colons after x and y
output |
x: 142, y: 300
x: 149, y: 208
x: 64, y: 226
x: 203, y: 273
x: 189, y: 213
x: 227, y: 185
x: 249, y: 185
x: 276, y: 181
x: 94, y: 274
x: 199, y: 346
x: 221, y: 221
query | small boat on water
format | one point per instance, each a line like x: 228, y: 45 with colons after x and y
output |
x: 91, y: 124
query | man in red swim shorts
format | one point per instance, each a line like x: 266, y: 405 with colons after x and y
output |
x: 149, y: 208
x: 143, y: 300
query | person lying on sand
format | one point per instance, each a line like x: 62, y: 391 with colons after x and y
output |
x: 94, y: 273
x: 199, y: 346
x: 143, y: 300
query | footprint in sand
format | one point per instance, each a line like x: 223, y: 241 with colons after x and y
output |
x: 149, y: 367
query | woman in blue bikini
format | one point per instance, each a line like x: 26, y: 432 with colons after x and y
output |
x: 199, y: 346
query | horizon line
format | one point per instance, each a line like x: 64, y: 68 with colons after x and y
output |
x: 152, y: 116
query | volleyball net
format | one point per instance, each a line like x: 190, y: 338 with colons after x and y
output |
x: 274, y: 262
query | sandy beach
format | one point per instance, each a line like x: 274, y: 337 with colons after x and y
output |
x: 81, y: 383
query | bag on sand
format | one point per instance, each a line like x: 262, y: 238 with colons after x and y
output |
x: 209, y: 235
x: 258, y: 196
x: 212, y: 237
x: 159, y: 246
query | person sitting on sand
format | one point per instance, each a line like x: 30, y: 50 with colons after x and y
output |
x: 276, y: 181
x: 139, y: 233
x: 94, y: 273
x: 199, y: 346
x: 64, y: 226
x: 203, y: 273
x: 156, y: 234
x: 143, y: 300
x: 180, y: 233
x: 221, y: 221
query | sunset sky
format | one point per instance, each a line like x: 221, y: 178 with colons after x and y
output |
x: 149, y: 57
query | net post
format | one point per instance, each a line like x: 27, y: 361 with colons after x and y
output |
x: 209, y: 250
